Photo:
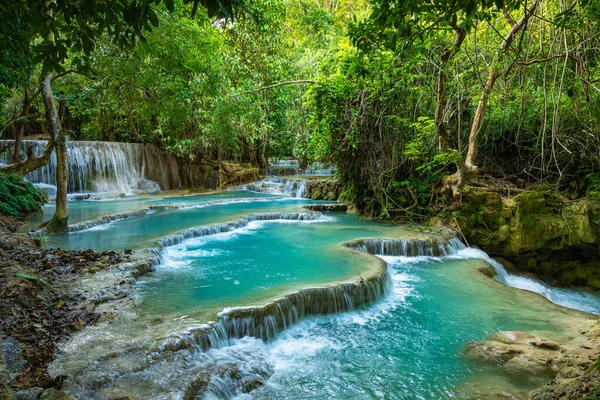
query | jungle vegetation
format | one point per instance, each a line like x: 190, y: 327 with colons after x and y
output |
x: 413, y: 101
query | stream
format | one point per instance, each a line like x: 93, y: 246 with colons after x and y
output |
x: 236, y: 249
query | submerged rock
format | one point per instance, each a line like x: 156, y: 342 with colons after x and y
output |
x: 53, y: 394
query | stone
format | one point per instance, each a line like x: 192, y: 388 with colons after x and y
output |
x: 539, y: 232
x: 53, y: 394
x: 33, y: 393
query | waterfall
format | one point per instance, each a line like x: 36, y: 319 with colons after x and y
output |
x: 277, y: 185
x: 564, y: 297
x: 408, y: 247
x: 454, y: 248
x: 104, y: 167
x: 231, y: 226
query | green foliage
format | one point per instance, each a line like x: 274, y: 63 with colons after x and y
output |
x: 18, y: 197
x: 593, y: 186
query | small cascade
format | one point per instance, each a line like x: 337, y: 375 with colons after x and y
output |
x: 564, y: 297
x: 231, y: 226
x: 107, y: 219
x: 408, y: 247
x: 104, y: 167
x: 283, y: 167
x: 277, y: 185
x: 318, y: 169
x: 267, y: 321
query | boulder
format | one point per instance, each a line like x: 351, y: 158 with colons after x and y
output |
x: 556, y: 239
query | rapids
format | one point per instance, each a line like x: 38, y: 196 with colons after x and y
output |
x: 254, y: 296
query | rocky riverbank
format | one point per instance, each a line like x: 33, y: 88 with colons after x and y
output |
x: 566, y: 365
x: 539, y: 232
x: 43, y: 299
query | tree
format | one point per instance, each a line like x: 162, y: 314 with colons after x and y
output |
x: 63, y: 34
x: 468, y: 169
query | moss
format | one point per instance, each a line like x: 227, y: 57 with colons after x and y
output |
x: 537, y: 231
x: 18, y: 197
x: 323, y: 189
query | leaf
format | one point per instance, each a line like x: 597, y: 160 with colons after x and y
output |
x: 29, y: 277
x: 170, y: 5
x: 594, y: 367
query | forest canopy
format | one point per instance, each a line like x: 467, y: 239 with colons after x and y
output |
x: 412, y: 101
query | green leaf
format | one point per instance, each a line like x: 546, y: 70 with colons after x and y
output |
x: 29, y: 277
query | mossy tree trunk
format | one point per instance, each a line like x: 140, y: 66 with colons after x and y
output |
x: 59, y: 221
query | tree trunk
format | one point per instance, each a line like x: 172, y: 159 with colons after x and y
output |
x: 21, y: 127
x: 59, y: 221
x: 441, y: 127
x: 32, y: 163
x: 467, y: 170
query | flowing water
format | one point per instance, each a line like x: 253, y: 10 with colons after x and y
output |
x: 199, y: 328
x: 99, y: 167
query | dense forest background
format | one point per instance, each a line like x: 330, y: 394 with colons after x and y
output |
x: 412, y: 101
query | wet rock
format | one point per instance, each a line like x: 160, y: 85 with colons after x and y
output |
x: 565, y: 364
x: 323, y: 189
x: 5, y: 391
x: 33, y: 393
x: 11, y: 350
x: 487, y: 270
x: 545, y: 344
x: 519, y: 352
x: 327, y: 207
x: 53, y: 394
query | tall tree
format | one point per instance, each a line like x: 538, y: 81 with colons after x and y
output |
x: 468, y: 169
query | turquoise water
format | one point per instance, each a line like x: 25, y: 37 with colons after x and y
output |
x: 409, y: 346
x: 230, y: 269
x: 85, y: 210
x: 142, y: 232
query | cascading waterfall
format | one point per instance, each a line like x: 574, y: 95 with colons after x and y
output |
x: 265, y: 322
x: 107, y: 219
x: 277, y: 185
x: 563, y: 297
x: 231, y: 226
x: 103, y: 167
x: 408, y: 247
x: 456, y: 249
x: 283, y: 167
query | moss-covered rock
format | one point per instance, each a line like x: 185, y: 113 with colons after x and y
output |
x: 557, y: 239
x: 323, y: 189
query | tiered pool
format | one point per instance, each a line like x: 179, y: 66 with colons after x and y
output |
x: 406, y: 343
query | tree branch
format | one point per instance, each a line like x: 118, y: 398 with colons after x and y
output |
x: 304, y: 81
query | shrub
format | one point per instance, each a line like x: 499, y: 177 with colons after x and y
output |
x: 18, y: 197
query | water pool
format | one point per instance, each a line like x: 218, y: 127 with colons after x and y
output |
x: 409, y: 345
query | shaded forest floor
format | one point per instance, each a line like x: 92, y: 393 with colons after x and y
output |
x: 37, y: 307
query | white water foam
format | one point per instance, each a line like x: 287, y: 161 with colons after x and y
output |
x: 564, y: 297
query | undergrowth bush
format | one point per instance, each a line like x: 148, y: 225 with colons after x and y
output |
x: 18, y: 197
